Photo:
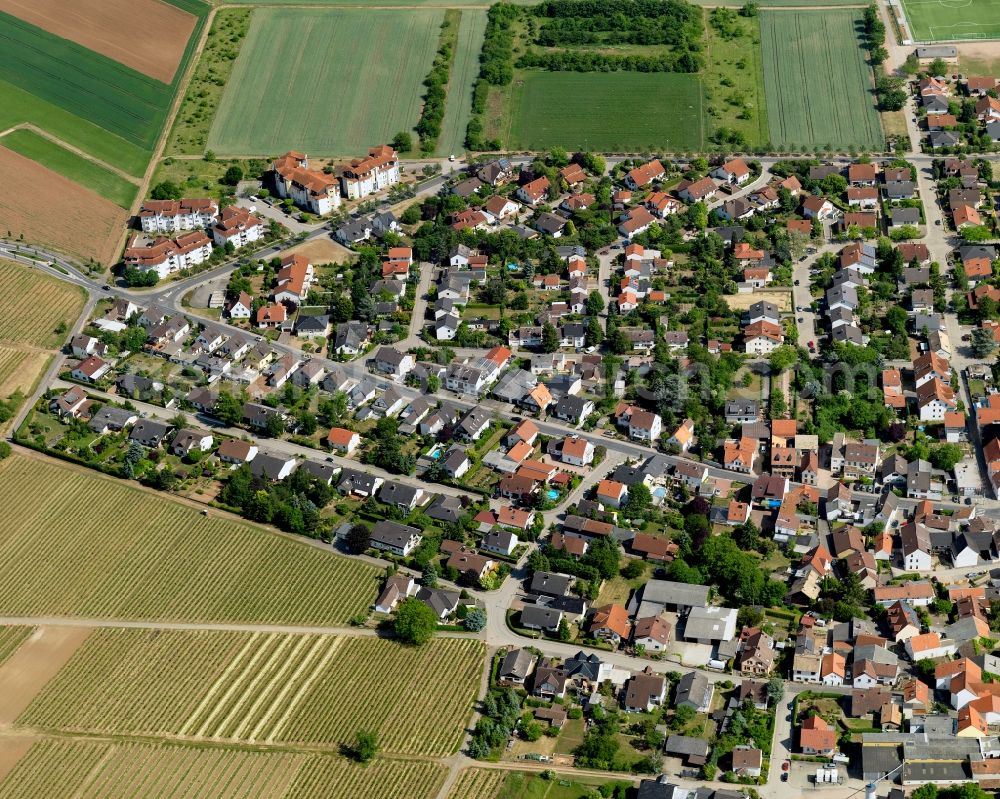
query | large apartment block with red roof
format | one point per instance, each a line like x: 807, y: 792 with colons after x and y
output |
x: 308, y: 188
x: 238, y: 226
x: 364, y: 176
x: 166, y: 256
x: 171, y: 216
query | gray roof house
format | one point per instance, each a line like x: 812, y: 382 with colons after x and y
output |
x: 446, y: 509
x: 150, y: 432
x: 694, y: 691
x: 905, y: 216
x: 400, y: 539
x: 516, y: 666
x: 550, y: 583
x: 535, y: 617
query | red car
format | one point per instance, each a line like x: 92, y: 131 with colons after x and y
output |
x: 785, y: 765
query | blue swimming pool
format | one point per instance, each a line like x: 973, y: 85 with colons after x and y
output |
x: 552, y: 494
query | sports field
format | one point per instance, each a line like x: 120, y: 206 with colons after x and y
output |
x: 80, y: 170
x: 325, y: 81
x: 952, y: 20
x: 91, y: 769
x: 605, y: 111
x: 458, y: 106
x: 837, y: 112
x: 149, y: 557
x: 265, y: 689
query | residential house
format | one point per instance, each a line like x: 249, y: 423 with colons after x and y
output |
x: 399, y: 539
x: 534, y: 191
x: 817, y: 737
x: 611, y: 623
x: 645, y: 691
x: 694, y: 691
x: 189, y: 441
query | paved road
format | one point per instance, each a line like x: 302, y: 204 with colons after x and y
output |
x: 746, y: 190
x: 802, y: 297
x: 417, y: 320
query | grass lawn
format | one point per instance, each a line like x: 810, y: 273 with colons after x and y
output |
x: 570, y: 737
x: 604, y: 111
x: 734, y: 81
x: 894, y: 123
x: 947, y: 20
x: 200, y: 176
x: 49, y: 154
x: 985, y: 62
x: 525, y: 785
x: 464, y: 71
x: 618, y: 589
x: 309, y: 79
x: 776, y: 561
x: 838, y: 112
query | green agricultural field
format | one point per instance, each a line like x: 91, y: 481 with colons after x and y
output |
x: 379, y: 3
x: 952, y: 20
x: 325, y: 81
x: 605, y: 111
x: 803, y: 113
x: 465, y: 69
x: 483, y: 783
x: 778, y: 3
x: 149, y: 557
x: 76, y: 168
x: 18, y: 106
x: 65, y: 767
x: 85, y: 99
x: 261, y: 688
x: 85, y: 83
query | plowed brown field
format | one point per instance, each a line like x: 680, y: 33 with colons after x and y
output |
x: 47, y: 208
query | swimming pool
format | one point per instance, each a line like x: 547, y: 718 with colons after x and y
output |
x: 552, y: 494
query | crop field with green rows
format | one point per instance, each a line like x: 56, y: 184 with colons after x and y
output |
x: 149, y: 557
x: 265, y: 688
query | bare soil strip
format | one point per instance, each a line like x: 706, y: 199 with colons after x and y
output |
x: 12, y: 749
x: 147, y: 35
x: 37, y: 661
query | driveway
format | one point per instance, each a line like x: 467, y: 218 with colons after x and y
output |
x: 801, y: 297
